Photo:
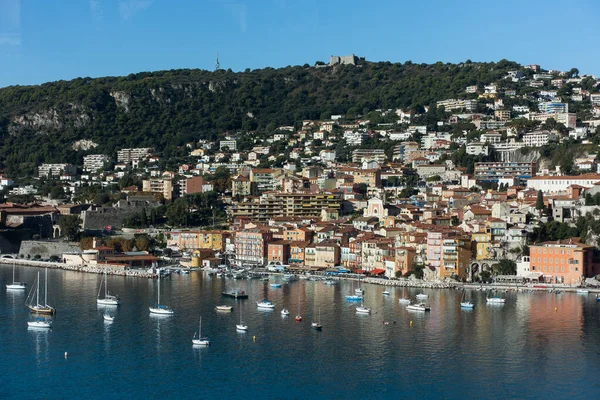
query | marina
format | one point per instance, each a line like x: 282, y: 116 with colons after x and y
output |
x: 162, y: 346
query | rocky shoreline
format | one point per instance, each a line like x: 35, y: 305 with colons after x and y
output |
x: 90, y: 269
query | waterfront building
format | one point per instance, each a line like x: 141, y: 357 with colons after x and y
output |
x: 251, y: 246
x: 563, y: 261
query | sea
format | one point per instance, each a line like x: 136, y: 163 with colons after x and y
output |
x: 536, y: 345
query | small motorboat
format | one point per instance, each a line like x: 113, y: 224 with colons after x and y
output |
x: 583, y: 291
x: 496, y: 300
x: 224, y: 308
x: 404, y: 300
x: 298, y: 318
x: 363, y: 310
x: 354, y: 298
x: 275, y: 285
x: 467, y: 304
x: 285, y: 312
x: 386, y: 293
x: 108, y: 317
x: 598, y: 297
x: 40, y: 323
x: 418, y: 307
x: 316, y: 326
x: 265, y: 304
x: 422, y: 296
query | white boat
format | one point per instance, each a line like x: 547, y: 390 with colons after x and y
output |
x: 40, y: 323
x: 241, y: 326
x: 330, y: 282
x: 385, y: 293
x: 39, y: 308
x: 285, y: 312
x: 160, y: 309
x: 109, y: 299
x: 418, y: 307
x: 265, y: 304
x: 224, y: 308
x: 404, y: 300
x: 583, y: 291
x: 495, y: 300
x: 316, y: 325
x: 16, y: 285
x: 109, y: 318
x: 198, y: 340
x: 363, y: 310
x: 289, y: 277
x: 298, y: 316
x: 422, y: 296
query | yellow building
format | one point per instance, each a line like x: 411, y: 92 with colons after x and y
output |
x: 483, y: 245
x: 192, y: 240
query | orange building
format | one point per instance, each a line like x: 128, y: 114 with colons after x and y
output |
x: 279, y: 251
x: 563, y: 261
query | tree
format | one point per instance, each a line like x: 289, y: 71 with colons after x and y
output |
x: 539, y: 203
x: 57, y: 192
x: 177, y: 212
x: 506, y: 267
x: 69, y: 225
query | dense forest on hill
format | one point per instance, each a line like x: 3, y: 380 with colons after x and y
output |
x: 167, y: 109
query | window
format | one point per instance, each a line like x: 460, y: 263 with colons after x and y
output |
x: 533, y: 268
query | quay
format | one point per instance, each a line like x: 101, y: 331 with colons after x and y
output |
x: 91, y: 269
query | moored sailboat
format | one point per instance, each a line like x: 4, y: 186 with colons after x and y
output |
x: 160, y: 309
x: 109, y: 299
x: 16, y: 285
x: 39, y: 308
x: 198, y: 340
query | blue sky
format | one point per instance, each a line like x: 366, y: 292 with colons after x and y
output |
x: 43, y: 40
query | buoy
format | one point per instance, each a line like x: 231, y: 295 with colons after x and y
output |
x: 555, y: 309
x: 66, y: 354
x: 410, y: 323
x: 254, y: 338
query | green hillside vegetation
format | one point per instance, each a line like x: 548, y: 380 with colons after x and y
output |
x: 167, y: 109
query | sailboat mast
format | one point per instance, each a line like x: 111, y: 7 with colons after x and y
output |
x: 105, y: 284
x: 13, y: 273
x: 38, y: 290
x: 158, y: 289
x: 46, y: 289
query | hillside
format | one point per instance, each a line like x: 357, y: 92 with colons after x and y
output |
x: 166, y: 109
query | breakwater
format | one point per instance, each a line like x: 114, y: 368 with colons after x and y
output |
x: 91, y: 269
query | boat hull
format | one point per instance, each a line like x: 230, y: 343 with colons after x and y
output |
x: 201, y: 342
x: 242, y: 328
x: 17, y: 286
x: 235, y: 295
x: 363, y: 310
x: 46, y: 310
x: 39, y: 325
x: 354, y: 298
x: 107, y: 302
x: 224, y: 308
x: 316, y: 326
x: 467, y: 305
x: 161, y: 311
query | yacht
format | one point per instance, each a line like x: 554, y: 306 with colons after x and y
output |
x: 37, y: 307
x: 418, y: 307
x: 160, y: 309
x: 363, y: 310
x: 241, y: 326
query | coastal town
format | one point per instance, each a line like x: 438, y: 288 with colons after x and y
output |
x: 501, y: 184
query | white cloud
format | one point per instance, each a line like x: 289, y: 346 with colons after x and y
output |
x: 96, y: 9
x: 130, y: 7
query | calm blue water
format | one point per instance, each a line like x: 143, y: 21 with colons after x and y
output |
x: 524, y: 349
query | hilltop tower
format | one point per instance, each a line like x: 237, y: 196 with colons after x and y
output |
x: 217, y: 65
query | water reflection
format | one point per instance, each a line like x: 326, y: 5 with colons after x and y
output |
x: 40, y: 339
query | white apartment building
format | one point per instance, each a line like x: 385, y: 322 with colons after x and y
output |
x: 538, y: 139
x: 559, y: 184
x: 94, y: 162
x: 453, y: 104
x: 46, y: 170
x: 354, y: 138
x: 230, y: 144
x: 130, y: 155
x: 491, y: 137
x: 567, y: 119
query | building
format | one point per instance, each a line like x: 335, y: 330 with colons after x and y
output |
x: 551, y: 107
x: 193, y: 185
x: 567, y: 119
x: 279, y: 251
x: 193, y: 240
x: 429, y: 170
x: 539, y: 139
x: 265, y: 179
x: 502, y: 115
x: 94, y: 162
x: 251, y: 246
x: 494, y: 171
x: 131, y: 155
x: 345, y: 60
x: 360, y: 155
x: 162, y: 186
x: 241, y: 186
x: 564, y: 261
x: 271, y: 205
x: 476, y: 149
x: 559, y: 184
x: 231, y: 145
x: 46, y: 170
x: 453, y: 104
